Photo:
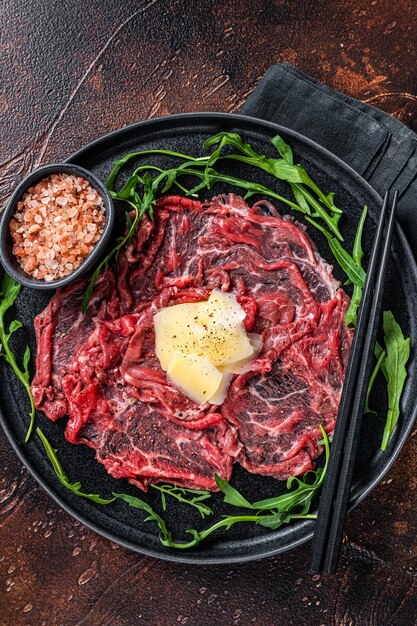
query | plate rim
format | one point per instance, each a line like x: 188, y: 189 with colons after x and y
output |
x: 355, y: 499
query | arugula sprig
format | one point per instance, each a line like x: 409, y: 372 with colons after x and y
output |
x: 180, y: 493
x: 9, y: 292
x: 380, y: 353
x: 137, y: 503
x: 63, y: 478
x: 392, y: 360
x: 270, y: 513
x: 359, y: 279
x: 283, y: 169
x: 140, y: 205
x: 393, y: 366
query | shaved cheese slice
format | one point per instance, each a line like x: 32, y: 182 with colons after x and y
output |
x: 240, y: 367
x: 201, y: 345
x: 220, y: 330
x: 221, y: 305
x: 223, y: 343
x: 220, y: 394
x: 195, y: 376
x: 174, y: 332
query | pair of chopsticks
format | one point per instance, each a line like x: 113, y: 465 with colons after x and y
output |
x: 334, y: 498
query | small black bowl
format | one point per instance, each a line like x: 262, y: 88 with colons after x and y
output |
x: 8, y: 259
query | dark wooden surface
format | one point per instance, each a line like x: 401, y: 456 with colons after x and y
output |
x: 72, y: 70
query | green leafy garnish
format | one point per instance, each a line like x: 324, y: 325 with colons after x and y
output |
x: 63, y: 478
x: 166, y: 535
x: 180, y: 494
x: 270, y: 513
x: 378, y: 365
x: 199, y: 536
x: 9, y: 292
x: 153, y: 516
x: 140, y: 205
x: 231, y: 495
x: 357, y: 255
x: 394, y: 369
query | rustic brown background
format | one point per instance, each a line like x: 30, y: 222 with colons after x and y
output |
x: 72, y: 70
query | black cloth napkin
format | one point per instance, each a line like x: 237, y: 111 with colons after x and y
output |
x: 373, y: 143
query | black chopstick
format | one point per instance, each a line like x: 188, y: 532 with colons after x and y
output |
x: 335, y: 495
x: 331, y: 480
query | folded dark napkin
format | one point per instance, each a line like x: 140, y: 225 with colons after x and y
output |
x: 373, y: 143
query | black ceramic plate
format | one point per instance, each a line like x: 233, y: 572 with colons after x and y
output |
x: 120, y: 522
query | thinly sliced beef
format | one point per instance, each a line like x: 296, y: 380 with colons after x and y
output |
x: 102, y: 370
x: 144, y: 447
x: 60, y: 330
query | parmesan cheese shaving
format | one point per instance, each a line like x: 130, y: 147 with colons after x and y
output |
x: 200, y: 345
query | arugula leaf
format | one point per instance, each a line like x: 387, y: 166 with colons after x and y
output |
x: 8, y: 294
x: 278, y: 519
x: 357, y: 252
x: 137, y: 503
x: 232, y: 496
x: 283, y: 148
x: 63, y: 478
x: 374, y: 374
x: 284, y: 508
x: 210, y: 176
x: 353, y: 271
x: 394, y: 368
x: 198, y: 536
x: 121, y: 243
x: 180, y: 494
x: 280, y: 510
x: 300, y: 497
x: 357, y: 255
